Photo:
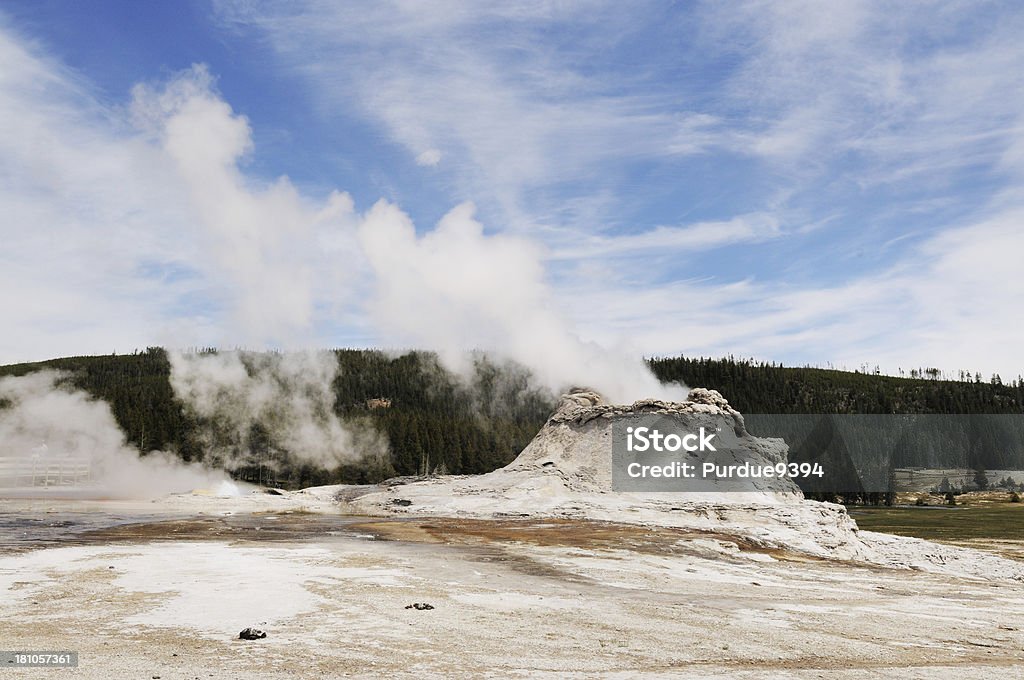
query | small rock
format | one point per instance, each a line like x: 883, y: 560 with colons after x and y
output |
x: 419, y: 605
x: 251, y: 634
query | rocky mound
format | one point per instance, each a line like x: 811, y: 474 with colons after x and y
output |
x: 566, y: 471
x: 576, y: 442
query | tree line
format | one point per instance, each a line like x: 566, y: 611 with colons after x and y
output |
x: 436, y: 422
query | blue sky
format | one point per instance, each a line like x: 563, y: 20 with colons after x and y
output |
x: 806, y: 182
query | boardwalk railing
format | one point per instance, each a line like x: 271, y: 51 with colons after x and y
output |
x: 39, y: 471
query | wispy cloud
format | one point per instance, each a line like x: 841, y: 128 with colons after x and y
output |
x: 679, y: 240
x: 491, y: 86
x: 693, y: 179
x: 83, y: 206
x: 952, y: 303
x: 895, y: 85
x: 125, y: 226
x: 522, y: 99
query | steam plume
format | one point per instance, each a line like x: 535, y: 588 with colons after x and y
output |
x: 47, y: 423
x: 264, y: 244
x: 265, y: 407
x: 279, y: 259
x: 456, y: 287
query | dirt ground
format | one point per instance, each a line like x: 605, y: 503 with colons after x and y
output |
x: 511, y: 598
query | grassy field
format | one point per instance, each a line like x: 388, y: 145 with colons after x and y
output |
x: 998, y: 521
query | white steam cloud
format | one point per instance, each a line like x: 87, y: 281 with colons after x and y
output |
x: 263, y: 407
x: 277, y: 265
x: 270, y: 254
x: 269, y: 249
x: 52, y: 433
x: 283, y: 259
x: 455, y: 288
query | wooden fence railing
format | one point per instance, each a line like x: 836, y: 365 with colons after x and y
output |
x: 38, y: 471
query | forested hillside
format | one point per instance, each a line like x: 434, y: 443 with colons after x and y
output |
x: 753, y: 387
x: 434, y: 422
